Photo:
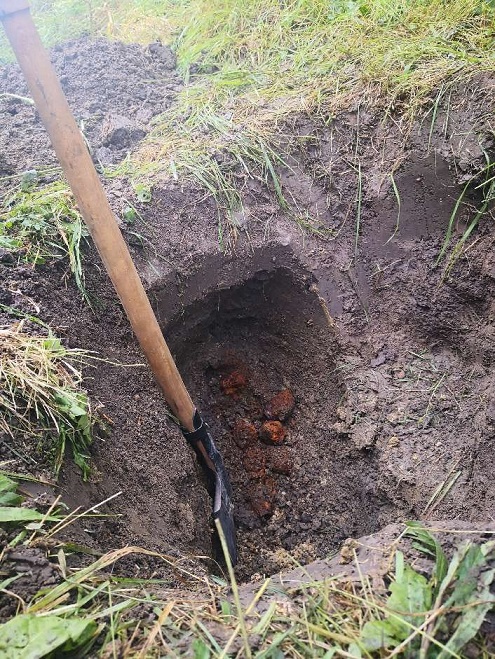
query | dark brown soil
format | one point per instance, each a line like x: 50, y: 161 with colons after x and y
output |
x: 390, y: 363
x: 33, y: 570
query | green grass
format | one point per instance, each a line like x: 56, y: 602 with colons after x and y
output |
x: 253, y: 66
x: 60, y: 20
x: 307, y: 56
x: 93, y: 611
x: 41, y: 397
x: 42, y: 223
x: 483, y: 186
x: 209, y: 150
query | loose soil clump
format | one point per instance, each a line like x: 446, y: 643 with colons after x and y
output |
x: 347, y: 381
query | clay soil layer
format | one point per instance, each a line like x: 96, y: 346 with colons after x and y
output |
x: 387, y: 365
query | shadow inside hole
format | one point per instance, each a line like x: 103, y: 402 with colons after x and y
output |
x: 238, y: 349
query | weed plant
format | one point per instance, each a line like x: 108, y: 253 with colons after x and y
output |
x: 41, y: 223
x: 41, y: 397
x: 435, y: 612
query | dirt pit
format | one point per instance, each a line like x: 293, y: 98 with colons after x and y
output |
x: 260, y: 360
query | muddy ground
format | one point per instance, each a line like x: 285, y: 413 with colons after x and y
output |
x: 390, y: 363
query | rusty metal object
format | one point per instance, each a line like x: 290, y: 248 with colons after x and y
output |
x: 281, y: 406
x: 272, y: 432
x: 233, y: 384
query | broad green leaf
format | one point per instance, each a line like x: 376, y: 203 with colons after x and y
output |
x: 470, y: 619
x: 8, y: 514
x: 471, y: 559
x: 353, y: 650
x: 77, y: 410
x: 488, y: 549
x: 329, y: 654
x: 473, y: 579
x: 83, y: 423
x: 428, y: 544
x: 53, y: 344
x: 143, y: 193
x: 32, y: 637
x: 10, y: 499
x: 10, y: 243
x: 129, y: 215
x: 7, y: 484
x: 411, y: 593
x: 409, y: 601
x: 388, y: 633
x: 29, y: 180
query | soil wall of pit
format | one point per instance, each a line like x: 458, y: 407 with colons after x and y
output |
x: 242, y: 347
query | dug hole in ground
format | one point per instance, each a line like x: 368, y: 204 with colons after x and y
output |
x: 348, y: 382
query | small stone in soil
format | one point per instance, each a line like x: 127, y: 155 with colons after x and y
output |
x: 272, y: 432
x: 244, y: 433
x: 254, y: 461
x: 233, y: 384
x: 281, y: 406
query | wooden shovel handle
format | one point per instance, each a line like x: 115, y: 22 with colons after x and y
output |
x: 93, y: 204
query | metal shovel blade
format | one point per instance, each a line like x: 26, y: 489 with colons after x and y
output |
x: 217, y: 481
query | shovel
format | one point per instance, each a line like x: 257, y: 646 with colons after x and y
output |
x: 98, y: 216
